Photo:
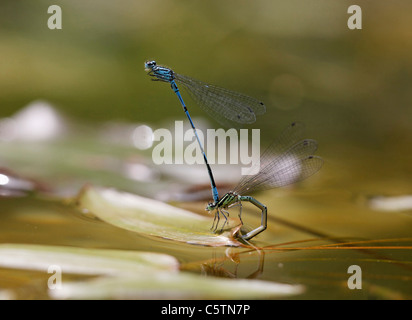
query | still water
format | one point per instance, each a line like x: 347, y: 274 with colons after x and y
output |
x: 343, y: 216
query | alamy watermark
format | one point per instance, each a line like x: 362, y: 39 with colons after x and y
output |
x: 55, y: 280
x: 355, y: 280
x: 220, y: 146
x: 54, y: 22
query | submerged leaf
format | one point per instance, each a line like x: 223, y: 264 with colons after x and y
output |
x: 150, y: 217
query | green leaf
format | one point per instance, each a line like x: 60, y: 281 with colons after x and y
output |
x: 154, y: 218
x: 132, y: 274
x: 83, y: 261
x: 183, y: 285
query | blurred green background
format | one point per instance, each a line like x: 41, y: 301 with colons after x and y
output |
x: 297, y: 56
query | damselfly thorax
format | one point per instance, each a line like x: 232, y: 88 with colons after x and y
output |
x: 160, y: 73
x: 230, y: 200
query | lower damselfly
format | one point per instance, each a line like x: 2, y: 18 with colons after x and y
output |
x: 287, y: 160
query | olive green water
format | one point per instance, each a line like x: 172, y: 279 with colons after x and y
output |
x: 350, y: 88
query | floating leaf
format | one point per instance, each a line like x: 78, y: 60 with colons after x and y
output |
x: 151, y: 217
x: 130, y: 274
x: 395, y: 203
x: 84, y: 261
x: 165, y: 285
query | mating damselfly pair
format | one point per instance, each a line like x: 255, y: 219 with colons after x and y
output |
x: 287, y: 160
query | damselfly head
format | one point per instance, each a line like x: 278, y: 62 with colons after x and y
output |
x: 149, y: 65
x: 211, y: 206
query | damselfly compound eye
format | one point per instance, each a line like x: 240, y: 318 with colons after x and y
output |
x: 149, y: 64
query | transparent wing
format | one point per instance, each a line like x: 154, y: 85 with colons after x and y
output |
x: 282, y: 164
x: 222, y: 104
x: 292, y: 134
